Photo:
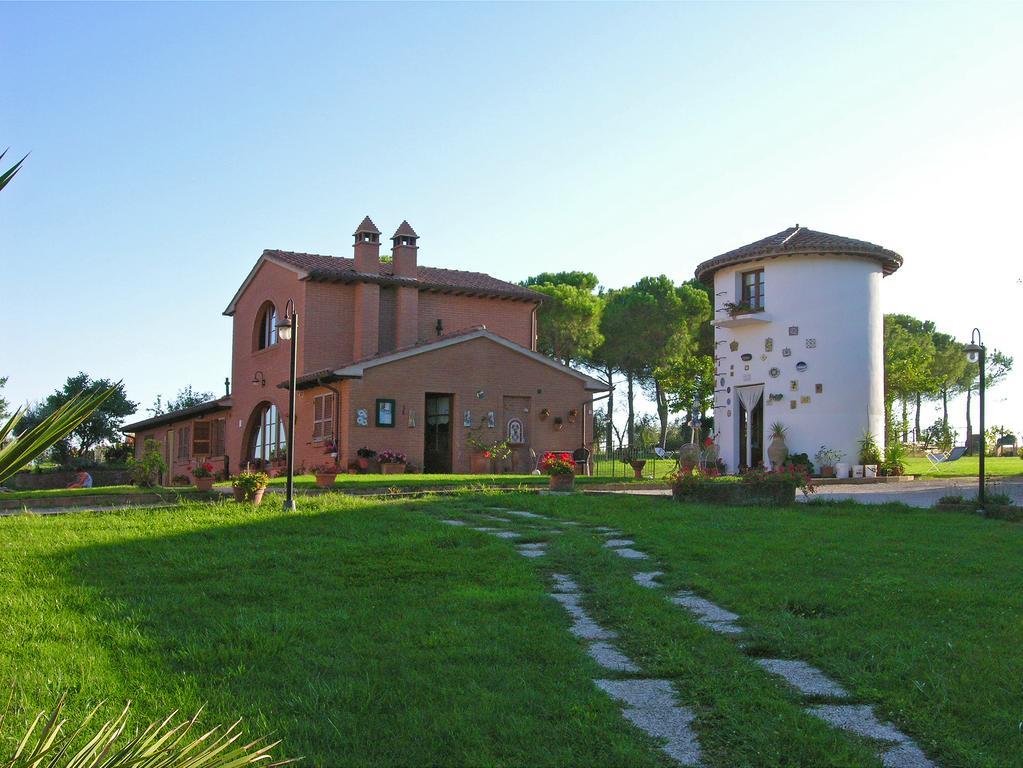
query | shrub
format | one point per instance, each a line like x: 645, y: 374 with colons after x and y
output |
x: 145, y: 472
x: 365, y: 453
x: 870, y: 453
x: 894, y: 453
x: 392, y: 457
x: 794, y: 474
x: 799, y: 461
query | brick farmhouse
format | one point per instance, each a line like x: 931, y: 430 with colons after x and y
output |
x: 391, y: 355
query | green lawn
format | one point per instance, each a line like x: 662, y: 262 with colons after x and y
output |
x: 344, y: 482
x: 367, y: 633
x: 104, y: 490
x: 916, y: 611
x: 967, y: 466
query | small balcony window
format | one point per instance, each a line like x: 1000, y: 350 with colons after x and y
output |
x: 752, y: 298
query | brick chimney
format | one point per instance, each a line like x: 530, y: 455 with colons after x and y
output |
x: 403, y: 251
x: 367, y: 247
x: 403, y: 264
x: 366, y: 330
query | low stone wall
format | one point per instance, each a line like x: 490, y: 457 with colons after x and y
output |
x: 35, y: 481
x: 737, y: 494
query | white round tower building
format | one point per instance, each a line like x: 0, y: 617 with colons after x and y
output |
x: 798, y: 341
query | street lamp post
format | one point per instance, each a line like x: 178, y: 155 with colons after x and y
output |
x: 287, y: 330
x: 975, y: 353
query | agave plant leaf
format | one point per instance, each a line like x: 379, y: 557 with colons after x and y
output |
x: 9, y: 174
x: 46, y: 744
x: 16, y: 454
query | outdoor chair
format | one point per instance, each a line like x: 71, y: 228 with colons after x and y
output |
x: 944, y: 457
x: 581, y: 457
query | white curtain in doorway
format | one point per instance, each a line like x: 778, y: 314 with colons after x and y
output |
x: 749, y: 397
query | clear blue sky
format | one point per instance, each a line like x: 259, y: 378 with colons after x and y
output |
x: 172, y: 143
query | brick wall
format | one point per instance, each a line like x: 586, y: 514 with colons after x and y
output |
x: 511, y: 319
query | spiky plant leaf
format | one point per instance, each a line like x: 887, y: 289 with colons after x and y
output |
x: 9, y: 174
x: 47, y: 744
x: 17, y: 453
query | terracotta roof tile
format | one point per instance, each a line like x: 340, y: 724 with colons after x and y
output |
x: 336, y: 268
x: 800, y: 240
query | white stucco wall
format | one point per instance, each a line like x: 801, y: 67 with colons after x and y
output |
x: 833, y: 301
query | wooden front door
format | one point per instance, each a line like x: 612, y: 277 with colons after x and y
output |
x: 437, y: 434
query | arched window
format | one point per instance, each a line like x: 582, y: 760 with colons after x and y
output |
x: 267, y: 438
x: 266, y: 327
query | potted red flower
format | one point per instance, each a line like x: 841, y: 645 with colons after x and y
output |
x: 325, y: 475
x: 561, y: 469
x: 203, y: 474
x: 392, y: 462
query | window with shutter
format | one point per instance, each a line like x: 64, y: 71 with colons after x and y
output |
x: 218, y: 437
x: 201, y: 438
x: 323, y: 417
x: 184, y: 443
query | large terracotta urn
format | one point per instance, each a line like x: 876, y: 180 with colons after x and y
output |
x: 777, y: 451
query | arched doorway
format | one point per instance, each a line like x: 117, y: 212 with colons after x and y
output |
x: 267, y: 440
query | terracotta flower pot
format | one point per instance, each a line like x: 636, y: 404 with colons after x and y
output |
x: 827, y: 471
x: 239, y: 494
x: 363, y: 462
x: 562, y: 482
x: 325, y: 479
x: 479, y: 464
x: 392, y: 468
x: 637, y: 467
x: 204, y: 483
x: 256, y: 497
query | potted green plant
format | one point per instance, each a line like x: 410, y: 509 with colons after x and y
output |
x: 870, y: 454
x: 485, y: 453
x: 249, y: 486
x: 827, y: 459
x: 202, y: 472
x: 893, y: 465
x: 777, y: 451
x: 561, y: 469
x: 392, y: 462
x: 364, y: 456
x: 325, y: 475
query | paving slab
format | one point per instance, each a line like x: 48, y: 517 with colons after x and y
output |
x: 906, y: 755
x: 703, y: 608
x: 587, y: 629
x: 531, y: 552
x: 647, y: 579
x: 507, y: 534
x: 523, y: 513
x: 563, y: 583
x: 615, y: 543
x: 721, y: 627
x: 610, y: 658
x: 858, y: 719
x: 650, y: 705
x: 534, y: 545
x: 631, y: 554
x: 605, y: 529
x: 805, y: 678
x: 454, y: 522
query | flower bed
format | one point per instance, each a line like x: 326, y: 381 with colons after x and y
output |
x: 757, y: 487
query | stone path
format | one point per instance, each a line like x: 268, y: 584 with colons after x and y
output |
x: 650, y: 704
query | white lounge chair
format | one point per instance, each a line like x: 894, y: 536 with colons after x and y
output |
x: 944, y: 457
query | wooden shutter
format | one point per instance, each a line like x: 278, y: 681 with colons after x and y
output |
x: 201, y: 438
x: 217, y: 437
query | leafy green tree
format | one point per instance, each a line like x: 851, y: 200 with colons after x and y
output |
x: 568, y: 323
x: 948, y: 367
x: 101, y: 425
x: 650, y: 331
x: 997, y: 367
x: 4, y: 405
x: 586, y: 281
x: 186, y: 398
x: 908, y: 356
